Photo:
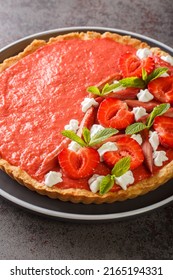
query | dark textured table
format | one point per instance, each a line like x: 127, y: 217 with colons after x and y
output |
x: 28, y: 236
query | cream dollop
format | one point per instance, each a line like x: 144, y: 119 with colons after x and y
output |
x: 88, y: 103
x: 159, y: 157
x: 73, y: 146
x: 125, y: 180
x: 52, y: 178
x: 95, y: 128
x: 138, y: 138
x: 143, y: 53
x: 154, y: 140
x: 144, y: 95
x: 73, y: 125
x: 167, y: 58
x: 107, y: 147
x: 139, y: 112
x: 94, y: 182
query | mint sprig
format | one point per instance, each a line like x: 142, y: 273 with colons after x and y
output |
x: 109, y: 88
x: 119, y: 169
x: 102, y: 135
x: 129, y: 82
x: 94, y: 90
x: 106, y: 184
x: 139, y: 126
x: 86, y: 135
x: 105, y: 90
x: 135, y: 128
x: 156, y: 74
x: 144, y: 75
x: 157, y: 111
x: 73, y: 136
x: 126, y: 82
x: 132, y: 82
x: 87, y: 140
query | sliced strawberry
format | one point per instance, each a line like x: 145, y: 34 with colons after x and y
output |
x: 79, y: 164
x: 126, y: 147
x: 164, y: 127
x: 162, y: 89
x: 114, y: 113
x: 130, y: 65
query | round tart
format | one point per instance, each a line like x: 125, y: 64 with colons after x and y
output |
x: 87, y: 117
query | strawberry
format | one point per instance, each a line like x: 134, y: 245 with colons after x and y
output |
x: 126, y: 147
x: 130, y: 65
x: 162, y: 89
x: 79, y: 164
x: 114, y: 113
x: 164, y: 127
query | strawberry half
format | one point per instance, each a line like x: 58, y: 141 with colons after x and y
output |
x: 114, y: 113
x: 127, y: 146
x: 162, y: 89
x: 79, y: 164
x: 164, y: 127
x: 131, y: 66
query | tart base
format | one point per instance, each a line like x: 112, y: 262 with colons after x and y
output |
x: 81, y: 195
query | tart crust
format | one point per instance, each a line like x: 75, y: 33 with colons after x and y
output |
x: 81, y: 195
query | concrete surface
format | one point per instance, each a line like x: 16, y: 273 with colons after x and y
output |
x: 28, y: 236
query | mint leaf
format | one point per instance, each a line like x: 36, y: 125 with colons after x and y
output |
x: 106, y: 184
x: 157, y: 111
x: 156, y: 74
x: 132, y: 82
x: 144, y: 74
x: 135, y: 128
x: 109, y: 88
x: 102, y: 135
x: 126, y: 82
x: 86, y: 135
x: 94, y: 90
x: 121, y: 167
x: 72, y: 135
x: 129, y: 82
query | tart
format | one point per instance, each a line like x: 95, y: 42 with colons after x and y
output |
x: 87, y: 117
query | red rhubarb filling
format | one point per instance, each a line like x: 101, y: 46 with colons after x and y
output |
x: 43, y: 91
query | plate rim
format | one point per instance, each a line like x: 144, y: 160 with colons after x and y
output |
x: 86, y: 28
x: 85, y: 217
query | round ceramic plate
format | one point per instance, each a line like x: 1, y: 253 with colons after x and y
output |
x: 43, y: 205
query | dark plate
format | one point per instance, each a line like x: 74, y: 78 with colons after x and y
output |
x: 43, y: 205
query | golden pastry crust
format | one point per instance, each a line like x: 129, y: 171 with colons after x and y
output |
x: 81, y: 195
